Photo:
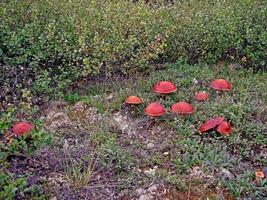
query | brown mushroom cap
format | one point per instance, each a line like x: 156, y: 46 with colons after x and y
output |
x: 21, y: 128
x: 164, y: 87
x: 210, y: 124
x: 221, y: 84
x: 224, y: 128
x: 201, y: 96
x: 133, y: 100
x: 182, y: 108
x: 154, y: 109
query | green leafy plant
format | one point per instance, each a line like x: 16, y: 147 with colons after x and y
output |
x: 10, y: 186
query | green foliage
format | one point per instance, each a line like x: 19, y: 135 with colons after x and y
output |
x: 10, y: 186
x: 5, y: 120
x: 194, y: 152
x: 50, y: 43
x: 111, y: 153
x: 242, y: 185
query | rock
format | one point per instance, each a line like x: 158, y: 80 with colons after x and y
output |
x: 166, y: 153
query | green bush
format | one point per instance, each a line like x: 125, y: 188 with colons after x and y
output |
x: 10, y: 186
x: 50, y: 43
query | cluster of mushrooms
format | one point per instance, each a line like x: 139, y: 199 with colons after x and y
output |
x: 164, y: 88
x: 155, y: 109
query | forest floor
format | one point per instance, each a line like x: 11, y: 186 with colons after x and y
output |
x: 105, y: 149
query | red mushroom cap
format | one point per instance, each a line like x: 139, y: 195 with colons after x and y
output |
x: 164, y: 87
x: 201, y: 96
x: 21, y: 128
x: 224, y: 128
x: 182, y: 108
x: 154, y: 109
x: 133, y: 100
x: 210, y: 123
x: 221, y: 84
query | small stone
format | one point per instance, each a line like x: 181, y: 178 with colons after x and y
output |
x: 166, y: 153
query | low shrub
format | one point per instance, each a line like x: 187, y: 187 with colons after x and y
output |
x: 47, y: 44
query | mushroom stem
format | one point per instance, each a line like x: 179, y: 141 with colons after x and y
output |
x: 162, y: 96
x: 259, y: 175
x: 258, y: 180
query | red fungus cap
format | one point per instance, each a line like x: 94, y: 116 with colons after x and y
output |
x: 201, y: 96
x: 221, y: 84
x: 133, y: 100
x: 164, y: 87
x: 182, y: 108
x: 224, y: 128
x: 21, y: 128
x: 154, y: 109
x: 210, y: 123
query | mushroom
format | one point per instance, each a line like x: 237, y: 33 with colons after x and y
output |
x: 201, y: 96
x: 221, y: 85
x: 21, y: 128
x: 259, y: 175
x: 224, y: 128
x: 182, y: 108
x: 133, y: 100
x: 154, y: 110
x: 210, y: 124
x: 164, y: 87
